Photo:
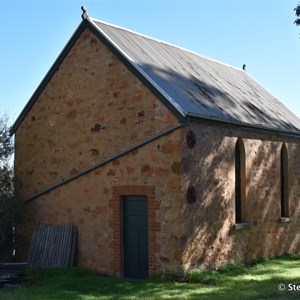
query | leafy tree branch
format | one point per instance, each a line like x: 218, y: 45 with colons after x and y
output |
x: 9, y: 206
x: 297, y: 13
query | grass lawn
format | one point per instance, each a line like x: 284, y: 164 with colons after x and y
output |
x: 232, y: 282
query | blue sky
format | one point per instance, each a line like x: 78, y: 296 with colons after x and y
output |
x: 260, y: 34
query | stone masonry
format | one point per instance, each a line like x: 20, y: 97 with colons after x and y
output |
x: 94, y: 108
x: 209, y: 236
x: 78, y: 122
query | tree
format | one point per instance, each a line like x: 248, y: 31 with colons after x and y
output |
x: 297, y: 13
x: 8, y: 204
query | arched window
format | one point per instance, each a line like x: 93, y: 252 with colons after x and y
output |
x: 284, y: 192
x: 240, y: 178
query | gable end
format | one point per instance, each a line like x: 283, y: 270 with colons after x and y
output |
x: 86, y: 24
x: 48, y: 76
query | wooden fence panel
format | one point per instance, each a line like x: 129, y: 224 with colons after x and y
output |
x: 52, y: 246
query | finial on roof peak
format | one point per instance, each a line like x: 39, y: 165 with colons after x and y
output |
x: 84, y: 15
x: 244, y: 67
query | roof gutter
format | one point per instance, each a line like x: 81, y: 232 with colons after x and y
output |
x: 193, y: 117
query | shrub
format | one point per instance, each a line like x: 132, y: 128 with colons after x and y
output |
x: 9, y: 206
x: 233, y: 269
x: 289, y: 256
x: 259, y: 260
x: 203, y: 277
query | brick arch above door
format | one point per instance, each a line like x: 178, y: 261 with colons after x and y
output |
x: 115, y: 224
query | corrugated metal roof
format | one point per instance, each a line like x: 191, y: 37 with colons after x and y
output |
x: 199, y: 86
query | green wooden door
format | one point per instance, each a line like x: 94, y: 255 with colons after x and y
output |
x: 135, y: 237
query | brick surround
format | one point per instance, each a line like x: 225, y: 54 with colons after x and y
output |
x: 115, y: 225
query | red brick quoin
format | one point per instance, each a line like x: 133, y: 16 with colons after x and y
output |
x: 115, y: 225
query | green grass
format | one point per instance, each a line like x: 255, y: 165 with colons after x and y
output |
x: 260, y: 281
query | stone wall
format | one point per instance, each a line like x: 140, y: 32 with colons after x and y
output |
x: 92, y: 108
x: 210, y: 238
x: 93, y: 201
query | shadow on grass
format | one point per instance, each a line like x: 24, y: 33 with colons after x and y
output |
x: 233, y: 282
x: 233, y: 289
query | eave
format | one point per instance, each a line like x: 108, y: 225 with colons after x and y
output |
x: 252, y: 127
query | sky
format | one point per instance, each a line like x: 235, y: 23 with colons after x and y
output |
x: 260, y: 34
